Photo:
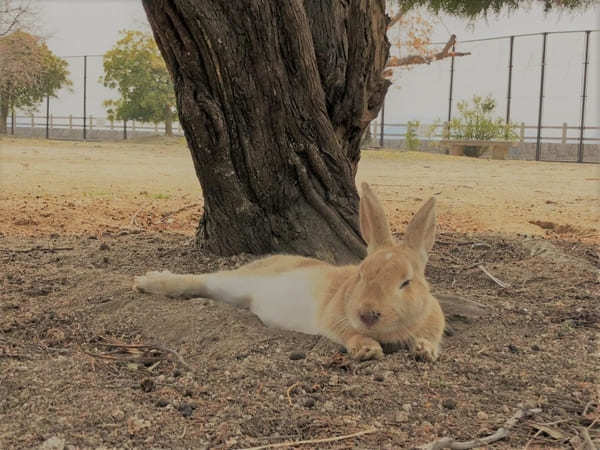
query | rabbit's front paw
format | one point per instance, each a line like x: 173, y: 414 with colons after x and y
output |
x: 423, y: 349
x: 363, y: 348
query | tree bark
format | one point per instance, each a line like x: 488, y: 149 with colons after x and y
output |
x: 274, y: 98
x: 4, y: 108
x: 168, y: 126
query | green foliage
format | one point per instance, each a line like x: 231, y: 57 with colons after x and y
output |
x: 29, y: 71
x: 476, y: 121
x: 135, y: 67
x: 411, y: 140
x: 475, y: 8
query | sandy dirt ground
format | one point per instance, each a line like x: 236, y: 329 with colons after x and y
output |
x: 86, y: 362
x: 74, y: 187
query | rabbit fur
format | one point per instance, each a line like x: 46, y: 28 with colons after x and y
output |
x: 384, y: 299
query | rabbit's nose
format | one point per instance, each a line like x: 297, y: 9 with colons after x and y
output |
x: 369, y: 318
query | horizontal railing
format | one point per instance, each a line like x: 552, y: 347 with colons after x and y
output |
x: 92, y: 122
x: 441, y: 132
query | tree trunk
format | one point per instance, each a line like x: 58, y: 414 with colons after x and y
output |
x: 274, y: 98
x: 4, y: 108
x: 169, y: 126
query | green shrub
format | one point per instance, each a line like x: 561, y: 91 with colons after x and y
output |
x: 476, y: 121
x: 411, y: 140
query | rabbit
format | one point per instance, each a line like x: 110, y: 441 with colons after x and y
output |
x: 384, y: 299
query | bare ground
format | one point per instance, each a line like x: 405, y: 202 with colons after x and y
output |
x: 86, y: 360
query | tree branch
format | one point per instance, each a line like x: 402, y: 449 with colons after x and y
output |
x: 394, y: 20
x: 411, y: 60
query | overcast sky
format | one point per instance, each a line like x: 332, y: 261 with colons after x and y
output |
x: 91, y: 27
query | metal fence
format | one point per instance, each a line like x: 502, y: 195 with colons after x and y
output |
x: 554, y: 85
x: 535, y: 84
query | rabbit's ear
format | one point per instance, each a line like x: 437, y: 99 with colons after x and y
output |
x: 373, y: 223
x: 420, y: 232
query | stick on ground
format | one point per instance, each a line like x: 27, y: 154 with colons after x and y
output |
x: 501, y: 433
x: 313, y: 441
x: 500, y: 283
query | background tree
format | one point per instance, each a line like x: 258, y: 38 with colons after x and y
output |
x: 29, y: 72
x: 135, y: 67
x: 16, y: 15
x: 274, y: 98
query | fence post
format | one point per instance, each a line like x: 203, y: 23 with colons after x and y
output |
x: 538, y: 144
x: 51, y: 120
x: 451, y: 87
x: 84, y: 97
x: 47, y: 116
x: 112, y: 124
x: 124, y: 129
x: 13, y: 120
x: 32, y: 122
x: 70, y: 121
x: 510, y: 67
x: 382, y: 132
x: 91, y: 122
x: 563, y: 139
x: 522, y: 132
x: 583, y: 96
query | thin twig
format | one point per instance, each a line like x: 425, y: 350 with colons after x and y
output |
x: 177, y: 211
x: 35, y: 249
x: 132, y: 222
x: 178, y: 359
x: 589, y: 444
x: 501, y: 433
x: 532, y: 439
x: 313, y: 441
x: 500, y: 283
x: 289, y: 392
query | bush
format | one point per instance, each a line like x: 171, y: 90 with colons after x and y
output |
x: 476, y: 121
x: 412, y: 142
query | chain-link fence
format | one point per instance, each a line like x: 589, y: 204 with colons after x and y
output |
x: 546, y: 84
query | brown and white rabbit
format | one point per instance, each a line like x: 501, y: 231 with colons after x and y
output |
x: 384, y: 299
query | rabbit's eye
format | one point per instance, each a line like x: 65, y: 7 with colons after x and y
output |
x: 406, y: 283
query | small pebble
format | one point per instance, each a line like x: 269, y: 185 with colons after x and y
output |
x: 309, y: 402
x: 379, y: 377
x: 401, y: 416
x: 161, y: 403
x: 294, y: 356
x: 513, y: 348
x: 186, y: 410
x: 482, y: 415
x: 104, y: 246
x: 177, y: 373
x: 117, y: 414
x: 147, y: 385
x: 535, y: 348
x: 407, y: 407
x: 449, y: 403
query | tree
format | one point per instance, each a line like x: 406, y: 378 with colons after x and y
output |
x: 274, y: 98
x: 29, y: 72
x: 411, y: 43
x: 134, y: 66
x: 16, y: 15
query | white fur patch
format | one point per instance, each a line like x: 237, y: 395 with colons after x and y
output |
x: 389, y: 255
x: 286, y: 300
